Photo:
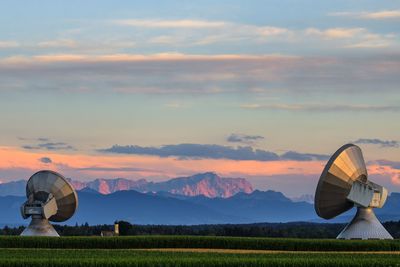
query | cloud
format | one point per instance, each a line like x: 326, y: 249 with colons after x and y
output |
x: 186, y: 23
x: 56, y: 146
x: 170, y: 33
x: 335, y: 33
x: 188, y: 74
x: 48, y: 58
x: 377, y: 15
x: 53, y: 146
x: 167, y: 73
x: 386, y: 14
x: 189, y: 33
x: 9, y: 44
x: 292, y: 155
x: 324, y: 108
x: 353, y: 37
x: 383, y: 162
x: 376, y: 43
x: 112, y: 58
x: 45, y: 160
x: 154, y: 168
x: 375, y: 141
x: 210, y: 151
x: 243, y: 138
x: 163, y: 39
x: 39, y: 139
x: 185, y: 151
x: 204, y: 33
x: 230, y: 29
x: 117, y: 169
x: 225, y: 29
x: 59, y: 43
x: 386, y: 168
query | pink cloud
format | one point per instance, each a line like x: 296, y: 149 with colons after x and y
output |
x: 134, y: 166
x: 385, y: 170
x: 290, y: 177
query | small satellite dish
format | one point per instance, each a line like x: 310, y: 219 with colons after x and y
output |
x: 343, y: 185
x: 50, y: 198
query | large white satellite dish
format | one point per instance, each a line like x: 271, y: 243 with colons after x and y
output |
x: 50, y: 198
x: 343, y: 185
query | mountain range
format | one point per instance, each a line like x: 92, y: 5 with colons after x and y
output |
x: 199, y: 199
x: 167, y: 208
x: 207, y: 184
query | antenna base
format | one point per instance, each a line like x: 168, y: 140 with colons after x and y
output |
x: 364, y: 225
x: 39, y: 227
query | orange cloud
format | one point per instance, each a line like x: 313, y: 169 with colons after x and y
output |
x: 68, y: 58
x: 386, y: 14
x: 134, y: 166
x: 385, y: 170
x: 17, y: 164
x: 336, y: 33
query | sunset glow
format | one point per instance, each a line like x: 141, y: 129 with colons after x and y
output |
x: 158, y: 90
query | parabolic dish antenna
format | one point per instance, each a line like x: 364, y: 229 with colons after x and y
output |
x: 50, y: 198
x: 343, y: 185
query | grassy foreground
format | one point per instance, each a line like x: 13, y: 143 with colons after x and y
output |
x: 140, y: 242
x: 116, y: 257
x: 193, y: 251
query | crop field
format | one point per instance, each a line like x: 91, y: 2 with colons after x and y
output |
x: 126, y: 257
x: 195, y: 251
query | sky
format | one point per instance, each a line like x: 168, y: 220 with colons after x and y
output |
x: 265, y: 90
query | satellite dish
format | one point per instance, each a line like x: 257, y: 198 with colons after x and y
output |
x: 50, y: 198
x: 343, y: 185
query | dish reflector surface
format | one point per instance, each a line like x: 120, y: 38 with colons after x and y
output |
x: 343, y: 168
x: 63, y: 192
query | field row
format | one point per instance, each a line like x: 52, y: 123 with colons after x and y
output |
x: 116, y: 257
x: 142, y: 242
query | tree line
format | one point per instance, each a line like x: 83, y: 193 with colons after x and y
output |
x: 294, y: 229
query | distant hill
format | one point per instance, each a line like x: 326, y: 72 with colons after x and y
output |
x: 136, y: 207
x: 142, y: 208
x: 10, y: 205
x: 166, y: 208
x: 208, y: 184
x: 199, y: 199
x: 260, y: 206
x: 15, y: 188
x: 306, y: 198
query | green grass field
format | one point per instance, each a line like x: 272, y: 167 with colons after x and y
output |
x: 126, y: 257
x: 195, y: 251
x: 139, y: 242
